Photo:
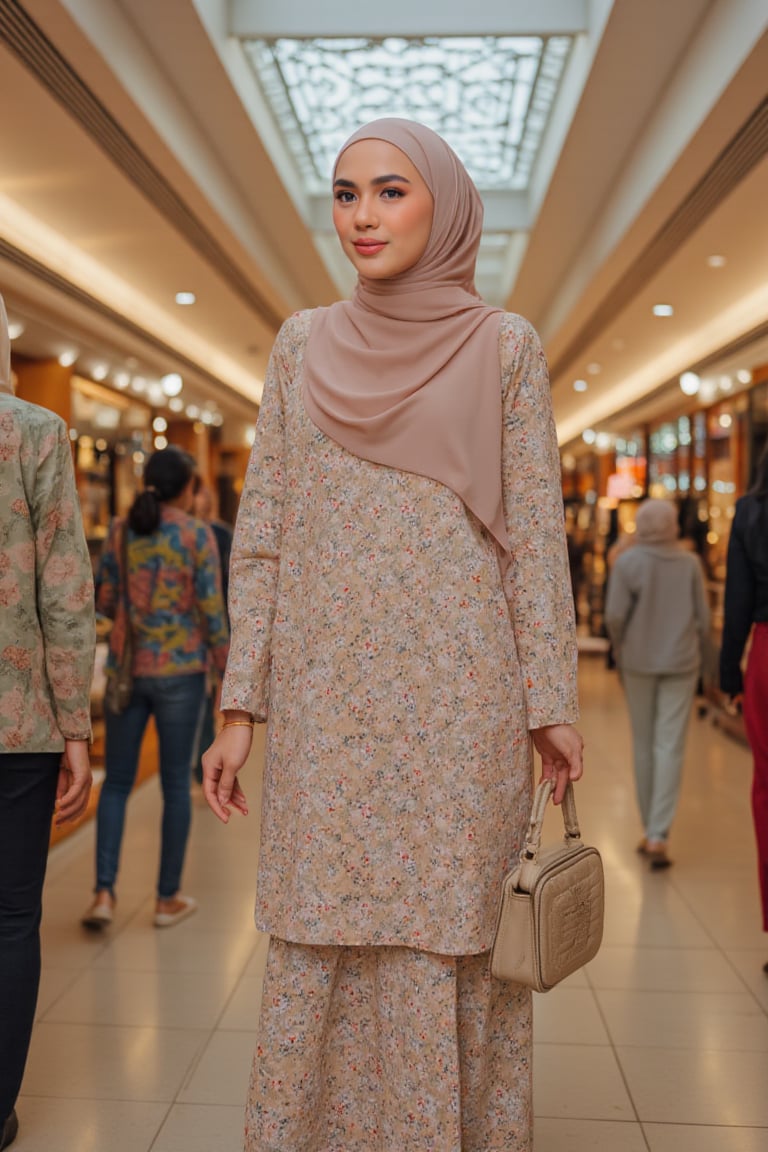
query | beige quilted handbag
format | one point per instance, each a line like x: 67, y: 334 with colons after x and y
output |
x: 551, y: 911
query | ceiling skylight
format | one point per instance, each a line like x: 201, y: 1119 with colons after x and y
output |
x: 490, y: 97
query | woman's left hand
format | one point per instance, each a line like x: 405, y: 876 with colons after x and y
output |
x: 561, y: 749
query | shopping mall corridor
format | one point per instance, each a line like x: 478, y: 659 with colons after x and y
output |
x: 144, y: 1037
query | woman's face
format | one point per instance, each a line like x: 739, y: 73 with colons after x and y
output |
x: 382, y: 209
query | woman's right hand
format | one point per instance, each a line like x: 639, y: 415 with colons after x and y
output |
x: 221, y: 763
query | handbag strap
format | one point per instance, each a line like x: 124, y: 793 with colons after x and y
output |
x: 540, y: 801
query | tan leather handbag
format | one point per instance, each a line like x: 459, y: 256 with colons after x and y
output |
x: 551, y: 911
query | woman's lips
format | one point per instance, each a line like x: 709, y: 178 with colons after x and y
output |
x: 369, y: 247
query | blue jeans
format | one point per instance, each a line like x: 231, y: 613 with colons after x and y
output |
x: 27, y: 796
x: 176, y: 704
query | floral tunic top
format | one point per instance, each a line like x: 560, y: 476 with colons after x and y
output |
x: 398, y: 675
x: 174, y: 590
x: 47, y: 624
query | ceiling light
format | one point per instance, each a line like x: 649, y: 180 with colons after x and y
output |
x: 716, y: 261
x: 161, y: 442
x: 690, y: 383
x: 193, y: 411
x: 185, y: 298
x: 156, y: 394
x: 172, y: 384
x: 726, y: 383
x: 725, y: 420
x: 663, y: 310
x: 67, y: 358
x: 139, y: 384
x: 744, y: 376
x: 15, y: 329
x: 580, y: 385
x: 160, y: 424
x: 589, y: 436
x: 122, y: 379
x: 603, y: 441
x: 176, y: 404
x: 99, y: 371
x: 206, y: 417
x: 217, y: 420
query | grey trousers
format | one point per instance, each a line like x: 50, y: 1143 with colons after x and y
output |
x: 659, y: 708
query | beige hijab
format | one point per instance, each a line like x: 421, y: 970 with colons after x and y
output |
x: 406, y: 373
x: 5, y: 350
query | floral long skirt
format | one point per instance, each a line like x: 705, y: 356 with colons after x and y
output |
x: 389, y: 1050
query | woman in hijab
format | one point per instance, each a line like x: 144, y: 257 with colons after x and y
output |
x: 657, y: 618
x: 402, y: 619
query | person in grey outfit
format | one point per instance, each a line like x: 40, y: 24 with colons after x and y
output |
x: 658, y: 621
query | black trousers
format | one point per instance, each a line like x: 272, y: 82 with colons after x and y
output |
x: 27, y: 798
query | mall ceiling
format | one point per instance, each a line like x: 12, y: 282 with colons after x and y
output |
x: 141, y: 158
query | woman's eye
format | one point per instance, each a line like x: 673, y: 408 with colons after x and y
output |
x: 392, y: 193
x: 344, y: 197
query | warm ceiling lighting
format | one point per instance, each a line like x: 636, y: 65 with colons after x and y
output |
x: 99, y: 371
x: 690, y: 383
x: 589, y: 436
x: 185, y: 298
x: 15, y: 329
x: 67, y: 358
x: 663, y: 310
x: 580, y: 385
x: 122, y: 379
x: 744, y: 376
x: 172, y: 384
x: 716, y: 261
x: 176, y: 404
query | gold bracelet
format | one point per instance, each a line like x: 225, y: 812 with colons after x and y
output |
x: 238, y: 723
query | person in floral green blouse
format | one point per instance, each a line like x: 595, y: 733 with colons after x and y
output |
x: 47, y: 643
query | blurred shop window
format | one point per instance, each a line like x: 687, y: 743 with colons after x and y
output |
x: 727, y: 435
x: 664, y: 467
x: 111, y: 434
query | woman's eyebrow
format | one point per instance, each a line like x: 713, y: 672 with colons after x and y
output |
x: 393, y: 178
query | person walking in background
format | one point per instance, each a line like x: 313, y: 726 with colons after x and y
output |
x: 403, y: 620
x: 658, y: 622
x: 202, y: 507
x: 47, y: 646
x: 170, y: 599
x: 746, y: 613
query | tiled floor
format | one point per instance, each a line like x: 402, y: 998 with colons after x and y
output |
x: 144, y: 1038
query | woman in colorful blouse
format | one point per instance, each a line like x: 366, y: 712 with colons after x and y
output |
x: 175, y: 613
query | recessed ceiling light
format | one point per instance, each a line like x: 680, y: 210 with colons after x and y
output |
x: 744, y: 376
x: 160, y: 424
x: 176, y: 404
x: 15, y: 329
x: 689, y: 383
x: 589, y: 436
x: 716, y: 261
x: 139, y: 384
x: 185, y: 298
x: 99, y: 371
x: 580, y: 385
x: 172, y: 384
x: 67, y: 358
x: 663, y: 310
x: 122, y: 379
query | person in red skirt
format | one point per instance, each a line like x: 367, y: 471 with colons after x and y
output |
x: 746, y: 613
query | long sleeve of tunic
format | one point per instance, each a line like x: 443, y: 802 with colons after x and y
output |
x: 398, y: 674
x: 47, y: 621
